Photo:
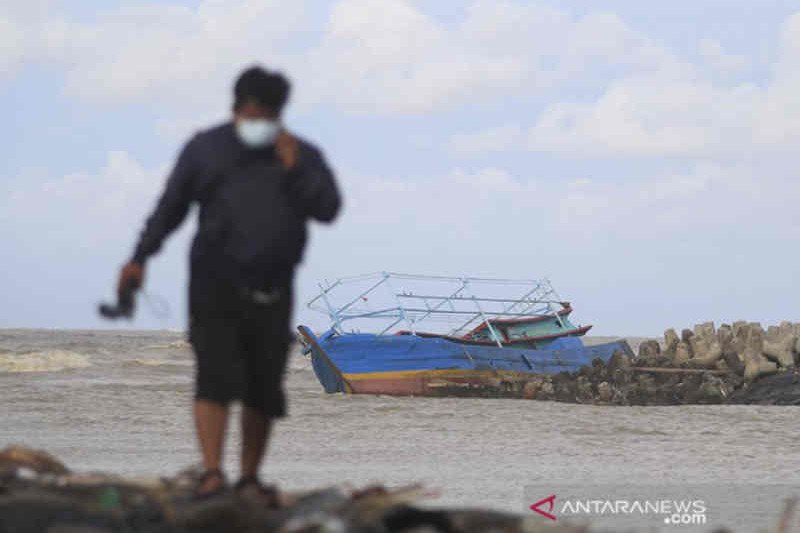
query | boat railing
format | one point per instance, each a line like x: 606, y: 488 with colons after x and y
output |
x: 438, y: 304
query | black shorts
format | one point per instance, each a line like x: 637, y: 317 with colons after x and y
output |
x: 241, y: 348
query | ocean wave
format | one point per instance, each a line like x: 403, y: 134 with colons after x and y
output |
x: 43, y: 361
x: 156, y: 362
x: 299, y: 363
x: 175, y: 345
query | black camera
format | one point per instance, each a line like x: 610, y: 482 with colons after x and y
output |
x: 124, y: 308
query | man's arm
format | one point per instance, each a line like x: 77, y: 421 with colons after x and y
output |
x: 171, y: 209
x: 310, y: 182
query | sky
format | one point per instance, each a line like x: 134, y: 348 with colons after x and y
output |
x: 641, y: 155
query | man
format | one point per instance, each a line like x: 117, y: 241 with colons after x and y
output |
x: 256, y: 185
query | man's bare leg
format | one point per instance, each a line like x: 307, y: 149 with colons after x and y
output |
x: 210, y: 419
x: 256, y: 429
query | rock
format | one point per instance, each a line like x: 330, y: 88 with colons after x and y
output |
x: 649, y: 348
x: 778, y: 389
x: 682, y: 353
x: 732, y: 360
x: 615, y: 368
x: 706, y: 350
x: 531, y: 388
x: 583, y: 390
x: 755, y: 364
x: 738, y: 326
x: 781, y: 349
x: 105, y: 503
x: 712, y: 390
x: 39, y: 461
x: 686, y: 334
x: 671, y: 340
x: 705, y: 330
x: 725, y: 335
x: 604, y: 392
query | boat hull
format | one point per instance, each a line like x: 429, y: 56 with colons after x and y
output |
x: 406, y: 365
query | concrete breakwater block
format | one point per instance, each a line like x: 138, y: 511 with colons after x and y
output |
x: 704, y: 364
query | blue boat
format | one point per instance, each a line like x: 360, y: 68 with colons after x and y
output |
x: 494, y: 336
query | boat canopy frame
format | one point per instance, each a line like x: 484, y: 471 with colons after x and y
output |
x: 462, y: 303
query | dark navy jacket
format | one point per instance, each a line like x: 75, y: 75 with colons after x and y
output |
x: 252, y: 220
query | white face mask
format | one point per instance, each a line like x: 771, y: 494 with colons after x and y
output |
x: 257, y: 132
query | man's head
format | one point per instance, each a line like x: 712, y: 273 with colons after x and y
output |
x: 259, y: 98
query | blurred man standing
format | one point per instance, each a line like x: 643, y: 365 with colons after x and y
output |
x: 256, y: 185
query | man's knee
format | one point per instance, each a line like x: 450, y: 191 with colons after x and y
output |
x: 268, y: 404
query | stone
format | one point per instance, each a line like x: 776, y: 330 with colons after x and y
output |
x: 686, y: 334
x: 616, y: 366
x: 781, y: 349
x: 39, y: 461
x: 706, y: 350
x: 682, y: 354
x: 732, y: 360
x: 755, y: 364
x: 671, y: 340
x: 649, y: 348
x: 531, y: 389
x: 778, y: 389
x: 712, y: 390
x: 604, y: 392
x: 583, y: 389
x: 109, y: 503
x: 705, y: 330
x: 724, y: 335
x: 546, y: 391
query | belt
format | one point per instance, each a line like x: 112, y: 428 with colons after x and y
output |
x: 261, y: 296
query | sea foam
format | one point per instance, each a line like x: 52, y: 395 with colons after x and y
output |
x: 42, y: 361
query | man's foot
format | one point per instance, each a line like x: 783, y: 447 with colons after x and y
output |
x: 251, y: 487
x: 211, y: 483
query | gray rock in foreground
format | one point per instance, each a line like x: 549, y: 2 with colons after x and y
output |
x: 39, y: 494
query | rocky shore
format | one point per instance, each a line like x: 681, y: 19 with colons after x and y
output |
x: 40, y: 494
x: 740, y: 363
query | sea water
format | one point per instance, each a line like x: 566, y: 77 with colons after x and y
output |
x: 121, y: 401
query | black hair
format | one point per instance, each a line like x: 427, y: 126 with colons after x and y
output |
x: 269, y: 89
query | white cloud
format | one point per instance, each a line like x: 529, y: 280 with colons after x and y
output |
x: 371, y: 57
x: 496, y: 139
x: 676, y: 110
x: 650, y: 115
x: 708, y: 200
x: 80, y: 209
x: 711, y: 51
x: 390, y: 57
x: 162, y: 53
x: 777, y: 117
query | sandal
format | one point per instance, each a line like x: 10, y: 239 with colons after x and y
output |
x: 213, y: 473
x: 250, y: 486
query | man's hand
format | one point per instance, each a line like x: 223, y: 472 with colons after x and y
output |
x: 287, y: 149
x: 130, y: 277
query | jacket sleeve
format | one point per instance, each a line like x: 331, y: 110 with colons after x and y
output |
x: 312, y: 186
x: 172, y: 207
